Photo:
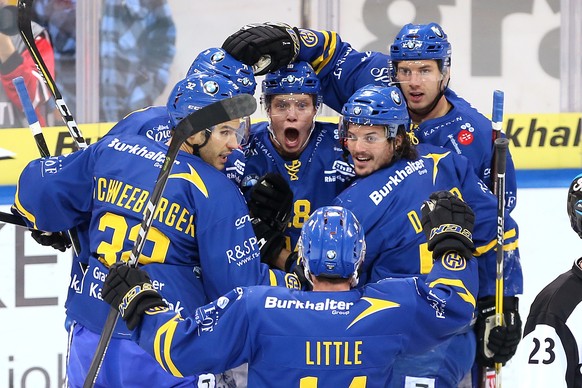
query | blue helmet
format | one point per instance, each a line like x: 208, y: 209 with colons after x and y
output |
x: 375, y: 105
x: 295, y: 78
x: 574, y: 204
x: 332, y: 244
x: 219, y: 61
x: 420, y: 41
x: 197, y: 91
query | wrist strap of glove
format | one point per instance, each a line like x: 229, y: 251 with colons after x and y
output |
x: 139, y: 291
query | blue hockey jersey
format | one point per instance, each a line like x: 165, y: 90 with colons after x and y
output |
x: 316, y: 177
x: 310, y: 339
x: 343, y: 70
x: 387, y: 203
x: 201, y: 243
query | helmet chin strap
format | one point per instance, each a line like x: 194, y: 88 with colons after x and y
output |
x: 427, y: 110
x: 196, y: 147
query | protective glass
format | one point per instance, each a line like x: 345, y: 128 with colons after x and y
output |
x: 238, y: 128
x: 347, y: 136
x: 299, y: 106
x: 424, y: 74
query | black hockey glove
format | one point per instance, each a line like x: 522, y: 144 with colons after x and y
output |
x: 270, y: 200
x: 448, y: 222
x: 299, y: 270
x: 497, y: 343
x: 130, y: 291
x: 270, y: 241
x: 265, y: 46
x: 59, y: 241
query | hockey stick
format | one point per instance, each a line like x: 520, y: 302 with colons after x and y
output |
x: 9, y: 218
x: 25, y: 28
x: 489, y: 375
x: 497, y: 125
x: 501, y: 145
x: 36, y: 130
x: 31, y: 116
x: 216, y: 113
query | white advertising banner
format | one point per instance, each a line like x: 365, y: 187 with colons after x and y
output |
x: 33, y: 286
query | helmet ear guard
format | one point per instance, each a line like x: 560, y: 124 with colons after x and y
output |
x: 332, y: 244
x: 574, y: 204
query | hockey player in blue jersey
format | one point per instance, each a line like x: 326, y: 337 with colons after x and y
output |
x: 419, y: 64
x: 394, y: 177
x: 333, y: 336
x: 305, y: 152
x: 217, y: 60
x: 202, y: 227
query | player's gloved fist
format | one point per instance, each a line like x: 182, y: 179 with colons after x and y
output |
x: 497, y: 344
x: 270, y: 200
x: 297, y: 267
x: 270, y: 241
x: 265, y: 46
x: 59, y: 241
x: 448, y: 223
x: 130, y: 290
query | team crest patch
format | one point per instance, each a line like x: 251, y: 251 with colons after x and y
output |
x: 453, y: 261
x: 308, y: 38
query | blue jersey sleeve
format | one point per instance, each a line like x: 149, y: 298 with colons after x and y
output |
x: 184, y: 347
x: 341, y: 69
x: 59, y: 191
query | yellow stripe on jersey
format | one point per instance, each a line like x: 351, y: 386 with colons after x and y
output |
x: 194, y: 178
x: 164, y: 337
x: 466, y: 296
x: 436, y: 158
x: 329, y: 47
x: 25, y: 213
x: 375, y: 306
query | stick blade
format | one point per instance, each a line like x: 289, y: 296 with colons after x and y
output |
x: 225, y: 110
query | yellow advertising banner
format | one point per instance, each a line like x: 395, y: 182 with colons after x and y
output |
x: 17, y: 146
x: 537, y: 141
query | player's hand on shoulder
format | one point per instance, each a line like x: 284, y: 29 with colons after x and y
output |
x: 448, y: 222
x: 265, y: 46
x: 497, y: 344
x: 130, y: 290
x: 59, y: 240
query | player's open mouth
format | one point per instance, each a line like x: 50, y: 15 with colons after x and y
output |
x: 291, y: 137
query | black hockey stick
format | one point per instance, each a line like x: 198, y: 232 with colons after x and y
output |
x: 36, y: 130
x: 9, y: 218
x: 499, y: 162
x: 497, y: 126
x: 25, y: 29
x: 216, y: 113
x: 501, y: 145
